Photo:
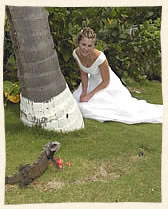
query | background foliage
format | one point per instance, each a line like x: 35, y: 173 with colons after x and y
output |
x: 130, y: 38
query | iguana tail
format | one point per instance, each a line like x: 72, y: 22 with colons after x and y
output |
x: 14, y: 179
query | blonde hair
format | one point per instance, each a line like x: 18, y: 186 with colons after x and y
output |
x: 88, y: 33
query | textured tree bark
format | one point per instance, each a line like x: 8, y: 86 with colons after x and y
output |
x: 45, y: 97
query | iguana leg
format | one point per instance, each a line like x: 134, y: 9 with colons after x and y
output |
x: 54, y: 163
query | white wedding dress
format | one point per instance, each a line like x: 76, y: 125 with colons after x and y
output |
x: 114, y: 103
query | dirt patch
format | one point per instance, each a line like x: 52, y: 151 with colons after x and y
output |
x: 134, y: 158
x: 51, y: 185
x: 101, y: 175
x: 141, y: 156
x: 55, y: 184
x: 9, y: 187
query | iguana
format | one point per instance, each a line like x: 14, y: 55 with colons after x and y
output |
x: 28, y: 173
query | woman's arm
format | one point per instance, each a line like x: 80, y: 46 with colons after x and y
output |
x: 104, y: 70
x: 84, y: 81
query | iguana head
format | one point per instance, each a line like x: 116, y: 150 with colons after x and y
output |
x: 51, y: 148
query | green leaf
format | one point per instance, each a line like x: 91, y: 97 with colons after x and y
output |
x: 11, y: 64
x: 11, y: 88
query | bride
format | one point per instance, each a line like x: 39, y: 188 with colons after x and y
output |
x: 101, y: 95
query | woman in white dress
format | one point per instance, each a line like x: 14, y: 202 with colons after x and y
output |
x: 101, y: 95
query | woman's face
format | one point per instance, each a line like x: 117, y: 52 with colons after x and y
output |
x: 86, y: 45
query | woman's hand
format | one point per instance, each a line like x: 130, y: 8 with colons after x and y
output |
x: 82, y: 96
x: 85, y: 98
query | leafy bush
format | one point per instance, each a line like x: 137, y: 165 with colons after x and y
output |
x: 9, y: 63
x: 146, y: 42
x: 135, y: 55
x: 11, y: 92
x: 142, y: 52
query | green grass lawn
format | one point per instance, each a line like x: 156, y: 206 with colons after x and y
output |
x: 105, y: 161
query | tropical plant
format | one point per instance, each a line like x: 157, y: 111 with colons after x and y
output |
x: 9, y: 60
x: 133, y: 50
x: 113, y: 27
x: 11, y: 92
x: 117, y: 36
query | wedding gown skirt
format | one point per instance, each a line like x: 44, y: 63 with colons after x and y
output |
x: 114, y: 103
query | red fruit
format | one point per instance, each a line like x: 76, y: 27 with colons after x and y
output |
x: 59, y: 162
x: 68, y: 163
x: 34, y: 182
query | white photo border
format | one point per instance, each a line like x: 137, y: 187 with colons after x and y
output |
x: 164, y: 50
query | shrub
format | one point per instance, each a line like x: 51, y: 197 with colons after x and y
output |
x: 136, y: 55
x: 11, y: 92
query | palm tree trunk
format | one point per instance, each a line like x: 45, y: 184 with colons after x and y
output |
x: 46, y: 100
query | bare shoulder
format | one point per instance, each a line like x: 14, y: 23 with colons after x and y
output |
x: 104, y: 67
x: 96, y: 52
x: 77, y: 51
x: 104, y: 64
